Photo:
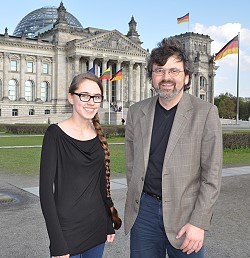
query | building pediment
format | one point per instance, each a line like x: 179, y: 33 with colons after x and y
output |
x: 113, y: 41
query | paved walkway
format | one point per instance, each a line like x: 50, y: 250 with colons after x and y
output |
x: 120, y: 183
x: 23, y: 232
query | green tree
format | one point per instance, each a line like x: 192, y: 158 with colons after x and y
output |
x: 226, y: 104
x: 244, y: 109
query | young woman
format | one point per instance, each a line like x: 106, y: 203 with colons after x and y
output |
x: 75, y: 177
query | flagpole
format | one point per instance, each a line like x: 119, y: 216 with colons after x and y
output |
x: 238, y: 68
x: 188, y: 21
x: 109, y: 99
x: 122, y: 97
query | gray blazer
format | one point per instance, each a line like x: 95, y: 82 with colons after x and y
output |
x: 191, y: 175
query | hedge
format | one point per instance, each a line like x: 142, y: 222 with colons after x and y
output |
x: 231, y: 140
x: 236, y: 140
x: 109, y: 130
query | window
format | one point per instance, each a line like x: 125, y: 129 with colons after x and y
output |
x: 44, y: 91
x: 14, y: 112
x: 29, y: 91
x: 202, y: 96
x: 47, y: 112
x: 202, y: 83
x: 12, y: 90
x: 113, y: 94
x: 30, y: 67
x: 204, y: 48
x: 1, y: 89
x: 13, y: 65
x: 45, y: 68
x: 31, y: 112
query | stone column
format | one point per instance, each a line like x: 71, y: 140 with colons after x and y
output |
x: 137, y: 84
x: 6, y: 65
x: 130, y: 83
x: 76, y: 64
x: 91, y: 62
x: 148, y: 84
x: 210, y: 88
x: 118, y: 86
x: 197, y: 85
x: 22, y: 78
x: 143, y: 93
x: 38, y: 78
x: 84, y: 66
x: 104, y: 82
x: 52, y: 92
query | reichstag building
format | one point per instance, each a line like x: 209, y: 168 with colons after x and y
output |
x: 49, y: 46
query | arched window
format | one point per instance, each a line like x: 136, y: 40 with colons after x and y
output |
x: 203, y: 88
x: 44, y: 91
x: 1, y: 89
x: 12, y: 90
x: 31, y: 112
x: 204, y: 48
x: 29, y: 91
x: 203, y: 83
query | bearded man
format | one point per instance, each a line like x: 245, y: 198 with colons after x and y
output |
x: 173, y: 162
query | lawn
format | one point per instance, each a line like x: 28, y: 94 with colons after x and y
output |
x: 236, y: 157
x: 21, y: 140
x: 26, y: 160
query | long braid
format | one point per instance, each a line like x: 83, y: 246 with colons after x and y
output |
x: 113, y: 212
x: 104, y: 144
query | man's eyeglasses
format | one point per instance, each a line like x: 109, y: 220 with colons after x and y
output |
x: 172, y: 71
x: 84, y: 97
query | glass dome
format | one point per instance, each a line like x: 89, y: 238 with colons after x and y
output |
x: 42, y: 20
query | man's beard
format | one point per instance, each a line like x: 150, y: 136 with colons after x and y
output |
x: 162, y: 93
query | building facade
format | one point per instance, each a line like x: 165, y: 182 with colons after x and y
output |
x: 38, y: 63
x: 198, y: 47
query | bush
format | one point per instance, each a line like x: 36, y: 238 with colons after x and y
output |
x: 109, y: 130
x: 27, y: 128
x: 236, y: 140
x: 113, y: 130
x: 3, y: 127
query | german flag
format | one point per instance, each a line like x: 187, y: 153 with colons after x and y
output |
x: 230, y: 48
x: 182, y: 19
x: 105, y: 75
x: 118, y: 76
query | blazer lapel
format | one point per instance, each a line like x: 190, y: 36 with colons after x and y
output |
x: 181, y: 117
x: 147, y: 121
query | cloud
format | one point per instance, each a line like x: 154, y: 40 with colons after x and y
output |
x: 221, y: 35
x: 226, y: 75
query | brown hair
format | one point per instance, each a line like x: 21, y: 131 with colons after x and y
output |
x: 96, y: 122
x: 165, y: 49
x: 113, y: 212
x: 82, y: 77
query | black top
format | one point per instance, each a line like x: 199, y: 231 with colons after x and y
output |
x: 163, y: 121
x: 76, y: 212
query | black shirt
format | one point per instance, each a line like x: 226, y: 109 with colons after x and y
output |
x: 76, y: 212
x: 163, y: 121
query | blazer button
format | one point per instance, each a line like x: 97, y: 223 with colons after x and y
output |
x: 142, y: 179
x: 137, y: 201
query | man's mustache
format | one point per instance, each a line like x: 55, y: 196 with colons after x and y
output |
x: 166, y: 81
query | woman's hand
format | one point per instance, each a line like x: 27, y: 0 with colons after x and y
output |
x: 110, y: 238
x: 61, y: 256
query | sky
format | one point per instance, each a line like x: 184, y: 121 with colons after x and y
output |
x: 221, y: 20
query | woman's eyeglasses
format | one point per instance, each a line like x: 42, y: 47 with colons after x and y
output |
x: 84, y: 97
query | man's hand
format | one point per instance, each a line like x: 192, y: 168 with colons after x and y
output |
x: 194, y: 238
x: 110, y: 238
